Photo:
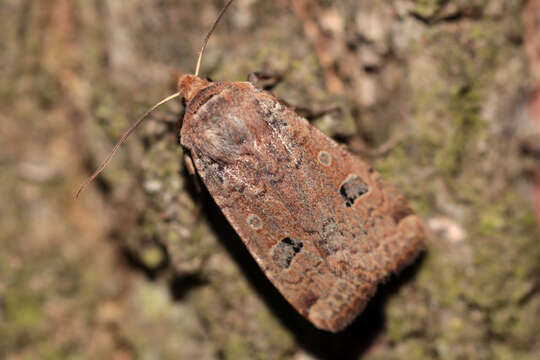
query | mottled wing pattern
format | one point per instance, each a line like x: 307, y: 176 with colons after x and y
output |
x: 322, y: 224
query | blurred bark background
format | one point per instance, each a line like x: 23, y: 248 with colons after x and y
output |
x: 435, y: 93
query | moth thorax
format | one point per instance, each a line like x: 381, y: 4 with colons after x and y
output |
x: 189, y: 85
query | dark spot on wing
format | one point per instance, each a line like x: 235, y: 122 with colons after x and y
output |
x: 285, y: 251
x: 352, y: 189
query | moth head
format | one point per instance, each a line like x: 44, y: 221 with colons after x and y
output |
x: 189, y: 85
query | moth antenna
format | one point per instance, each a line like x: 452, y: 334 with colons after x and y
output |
x: 148, y: 112
x: 205, y: 42
x: 123, y: 140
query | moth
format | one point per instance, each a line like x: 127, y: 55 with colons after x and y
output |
x: 322, y: 224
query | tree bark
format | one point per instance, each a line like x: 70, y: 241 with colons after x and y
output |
x: 433, y: 93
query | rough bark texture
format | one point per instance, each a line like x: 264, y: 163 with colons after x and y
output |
x: 434, y: 91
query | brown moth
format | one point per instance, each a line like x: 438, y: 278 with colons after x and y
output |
x: 321, y: 223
